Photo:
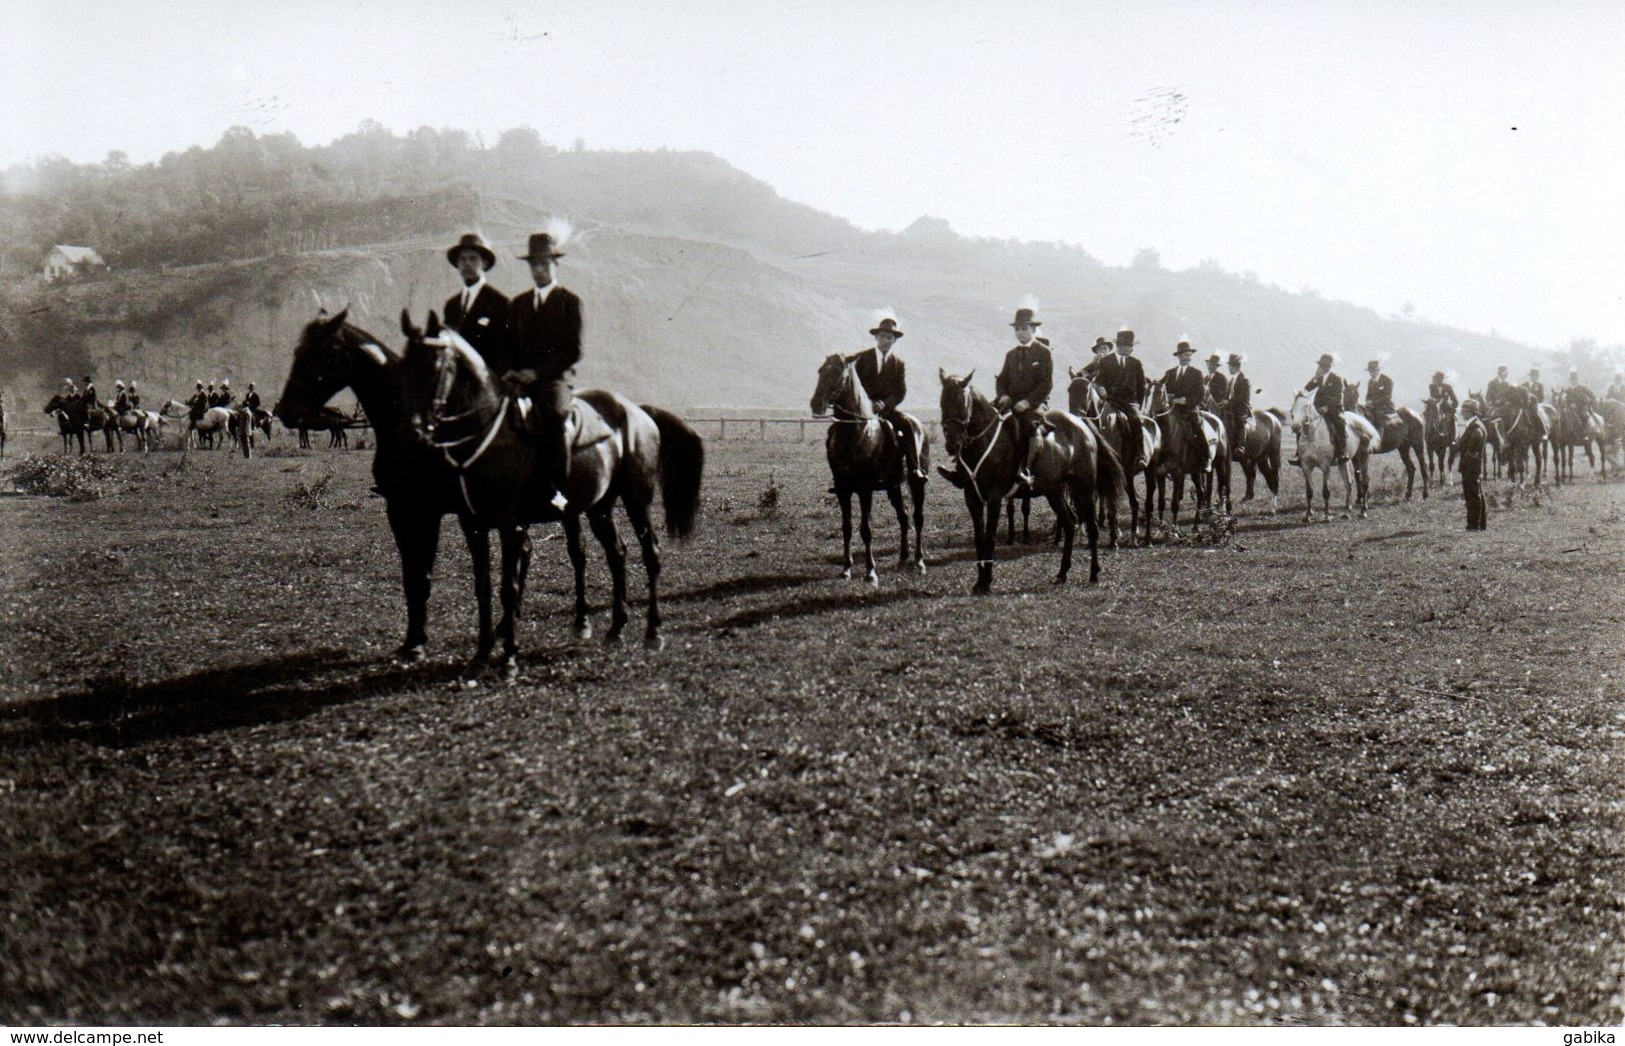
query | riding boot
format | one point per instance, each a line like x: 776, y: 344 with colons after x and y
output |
x: 1023, y: 485
x: 561, y: 467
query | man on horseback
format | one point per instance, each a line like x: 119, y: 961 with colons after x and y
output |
x: 1577, y: 397
x: 1101, y: 349
x: 1495, y: 393
x: 121, y: 399
x: 198, y: 403
x: 1443, y: 395
x: 135, y: 398
x: 479, y: 312
x: 1185, y: 389
x: 542, y: 347
x: 1379, y: 395
x: 88, y: 397
x: 227, y: 397
x: 1023, y: 388
x: 1328, y: 403
x: 883, y: 376
x: 1122, y: 378
x: 1536, y: 389
x: 1218, y: 385
x: 1238, y: 406
x: 1470, y: 448
x: 251, y: 399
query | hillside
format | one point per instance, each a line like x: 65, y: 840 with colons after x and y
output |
x: 702, y: 288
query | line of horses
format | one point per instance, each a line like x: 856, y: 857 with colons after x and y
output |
x: 238, y: 427
x: 1086, y: 457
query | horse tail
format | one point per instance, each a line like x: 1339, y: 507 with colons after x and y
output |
x: 682, y: 463
x: 1110, y: 477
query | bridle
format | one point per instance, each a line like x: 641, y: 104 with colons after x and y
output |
x: 446, y: 367
x: 852, y: 417
x: 962, y: 425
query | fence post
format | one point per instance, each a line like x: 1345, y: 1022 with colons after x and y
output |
x: 761, y: 428
x: 722, y: 428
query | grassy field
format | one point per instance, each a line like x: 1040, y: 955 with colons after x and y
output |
x: 1361, y: 772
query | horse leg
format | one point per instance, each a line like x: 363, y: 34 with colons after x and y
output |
x: 1026, y: 520
x: 895, y: 494
x: 417, y: 538
x: 1066, y: 519
x: 985, y: 525
x: 844, y: 494
x: 865, y: 503
x: 514, y: 541
x: 916, y: 487
x: 478, y: 540
x: 578, y: 563
x: 1010, y: 525
x: 637, y: 512
x: 602, y: 521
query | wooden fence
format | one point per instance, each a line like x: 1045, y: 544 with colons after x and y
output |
x: 764, y: 429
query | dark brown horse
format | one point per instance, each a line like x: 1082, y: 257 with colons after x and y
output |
x: 864, y: 456
x: 460, y: 448
x: 1084, y: 399
x: 1178, y: 459
x: 72, y: 419
x: 1258, y: 449
x: 1070, y: 468
x: 1520, y: 433
x: 1440, y: 427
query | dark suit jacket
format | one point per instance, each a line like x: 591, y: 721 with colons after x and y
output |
x: 1443, y: 394
x: 1328, y: 393
x: 1028, y: 374
x: 546, y: 340
x: 1379, y: 394
x: 1186, y: 382
x: 888, y: 383
x: 1218, y: 388
x: 1123, y: 378
x: 1470, y: 445
x: 485, y: 324
x: 1240, y: 404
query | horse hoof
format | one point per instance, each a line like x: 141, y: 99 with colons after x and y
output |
x: 1058, y: 580
x: 410, y: 655
x: 872, y: 579
x: 509, y: 672
x: 655, y: 643
x: 919, y: 568
x: 846, y: 575
x: 612, y: 638
x: 583, y: 631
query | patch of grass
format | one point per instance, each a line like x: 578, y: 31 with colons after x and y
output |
x: 84, y: 478
x: 315, y: 494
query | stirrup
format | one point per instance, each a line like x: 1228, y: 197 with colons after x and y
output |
x: 1295, y: 461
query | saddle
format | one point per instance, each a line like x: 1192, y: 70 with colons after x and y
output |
x: 583, y: 426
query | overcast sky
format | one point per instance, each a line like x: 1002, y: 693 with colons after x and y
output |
x: 1467, y: 156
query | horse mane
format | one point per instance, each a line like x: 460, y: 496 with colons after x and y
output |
x: 466, y: 353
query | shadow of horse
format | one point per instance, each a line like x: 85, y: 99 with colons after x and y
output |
x: 114, y: 712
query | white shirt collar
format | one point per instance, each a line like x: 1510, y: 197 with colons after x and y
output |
x: 472, y: 290
x: 543, y: 292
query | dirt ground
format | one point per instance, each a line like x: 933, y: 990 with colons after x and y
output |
x: 1350, y: 773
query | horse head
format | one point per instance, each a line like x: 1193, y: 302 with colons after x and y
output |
x: 332, y: 354
x: 838, y: 390
x: 957, y: 404
x: 1082, y: 394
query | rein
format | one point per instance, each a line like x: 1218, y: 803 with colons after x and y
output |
x: 445, y: 378
x: 994, y: 426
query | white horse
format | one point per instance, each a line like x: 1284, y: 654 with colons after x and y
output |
x: 146, y: 426
x: 216, y: 422
x: 1315, y: 452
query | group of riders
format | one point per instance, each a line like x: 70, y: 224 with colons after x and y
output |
x: 204, y: 397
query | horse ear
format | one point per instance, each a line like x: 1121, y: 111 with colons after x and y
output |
x: 942, y: 375
x: 338, y: 321
x: 432, y: 328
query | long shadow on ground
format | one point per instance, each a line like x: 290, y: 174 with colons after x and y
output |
x: 114, y: 712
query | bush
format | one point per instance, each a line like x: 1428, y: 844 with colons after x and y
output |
x: 77, y: 479
x: 314, y: 495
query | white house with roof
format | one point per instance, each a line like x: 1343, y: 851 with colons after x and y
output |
x: 65, y: 260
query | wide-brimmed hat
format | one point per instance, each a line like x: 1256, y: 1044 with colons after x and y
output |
x: 1438, y: 375
x: 1214, y: 358
x: 118, y: 384
x: 1534, y: 370
x: 1326, y: 360
x: 1025, y: 317
x: 1469, y: 406
x: 1183, y: 349
x: 471, y: 241
x: 1501, y: 368
x: 1125, y: 336
x: 1237, y: 358
x: 1101, y: 345
x: 887, y: 326
x: 1373, y: 363
x: 542, y: 245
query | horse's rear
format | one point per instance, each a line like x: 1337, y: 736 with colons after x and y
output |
x: 1072, y: 468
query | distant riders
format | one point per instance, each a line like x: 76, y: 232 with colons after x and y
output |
x: 1328, y: 403
x: 251, y: 399
x: 1616, y: 391
x: 1218, y: 385
x: 1537, y: 391
x: 1121, y: 377
x: 1238, y: 405
x: 121, y: 399
x: 884, y: 378
x: 1443, y: 395
x: 198, y: 402
x: 1185, y: 390
x: 1023, y: 388
x: 1379, y: 395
